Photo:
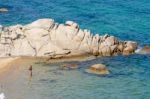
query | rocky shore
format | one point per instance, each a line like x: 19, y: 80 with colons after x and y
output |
x: 46, y: 38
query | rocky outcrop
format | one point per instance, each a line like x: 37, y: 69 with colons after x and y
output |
x: 45, y: 37
x: 99, y: 69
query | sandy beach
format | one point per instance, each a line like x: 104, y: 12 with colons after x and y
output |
x: 4, y: 62
x: 8, y: 64
x: 17, y: 69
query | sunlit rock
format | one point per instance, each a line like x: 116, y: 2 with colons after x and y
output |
x: 44, y: 37
x: 111, y: 41
x: 129, y: 47
x: 41, y: 23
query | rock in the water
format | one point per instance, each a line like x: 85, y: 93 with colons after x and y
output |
x: 144, y: 50
x: 129, y: 47
x: 99, y: 69
x: 68, y: 66
x: 45, y: 37
x: 3, y: 10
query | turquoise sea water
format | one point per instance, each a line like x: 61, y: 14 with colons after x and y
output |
x: 126, y: 19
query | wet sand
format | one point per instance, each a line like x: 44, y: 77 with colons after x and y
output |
x: 13, y: 65
x: 15, y: 74
x: 6, y: 61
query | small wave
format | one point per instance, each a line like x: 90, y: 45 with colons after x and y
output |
x: 138, y: 50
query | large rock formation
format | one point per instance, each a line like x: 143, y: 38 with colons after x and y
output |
x: 44, y: 37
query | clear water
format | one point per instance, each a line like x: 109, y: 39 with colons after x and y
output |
x: 126, y: 19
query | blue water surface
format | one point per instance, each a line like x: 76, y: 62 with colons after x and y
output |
x: 125, y: 19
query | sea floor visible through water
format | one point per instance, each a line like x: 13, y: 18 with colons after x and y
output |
x: 128, y: 79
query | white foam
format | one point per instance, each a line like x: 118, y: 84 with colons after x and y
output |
x: 138, y: 50
x: 2, y: 96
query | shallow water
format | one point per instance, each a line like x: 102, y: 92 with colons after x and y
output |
x: 129, y: 79
x: 126, y: 19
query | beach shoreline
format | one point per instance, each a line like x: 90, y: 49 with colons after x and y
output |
x: 7, y: 63
x: 11, y: 68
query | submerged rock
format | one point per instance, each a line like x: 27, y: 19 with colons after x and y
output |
x: 45, y: 37
x: 3, y: 10
x: 99, y: 69
x: 68, y: 66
